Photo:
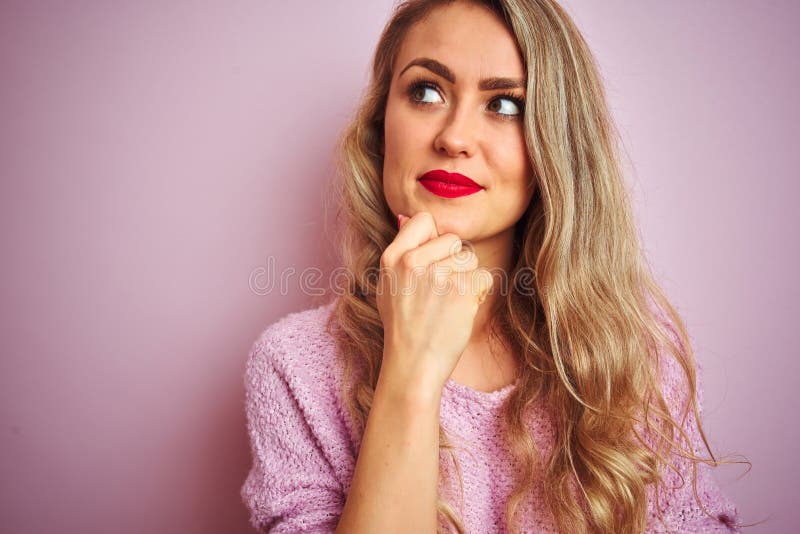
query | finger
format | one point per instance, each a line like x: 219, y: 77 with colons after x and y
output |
x: 453, y: 274
x: 438, y: 248
x: 418, y: 229
x: 462, y: 262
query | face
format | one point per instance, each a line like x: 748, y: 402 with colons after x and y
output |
x: 456, y: 125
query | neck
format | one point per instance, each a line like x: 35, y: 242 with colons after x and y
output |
x: 494, y: 254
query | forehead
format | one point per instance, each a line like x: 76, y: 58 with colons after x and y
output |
x: 468, y: 38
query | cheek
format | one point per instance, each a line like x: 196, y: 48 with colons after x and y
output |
x: 515, y: 153
x: 394, y: 139
x: 517, y: 156
x: 405, y: 140
x: 517, y: 171
x: 401, y: 132
x: 514, y: 198
x: 395, y: 117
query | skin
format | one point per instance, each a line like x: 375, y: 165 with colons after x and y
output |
x: 464, y: 129
x: 394, y: 484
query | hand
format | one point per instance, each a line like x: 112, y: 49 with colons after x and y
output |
x: 429, y: 291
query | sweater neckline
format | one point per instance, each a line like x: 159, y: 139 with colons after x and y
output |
x: 485, y: 397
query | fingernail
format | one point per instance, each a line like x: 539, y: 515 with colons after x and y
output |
x: 400, y: 218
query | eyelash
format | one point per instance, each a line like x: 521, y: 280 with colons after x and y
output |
x: 423, y: 83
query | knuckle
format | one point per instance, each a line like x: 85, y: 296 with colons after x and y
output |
x: 408, y: 260
x: 386, y: 258
x: 455, y: 244
x: 427, y: 219
x: 451, y: 236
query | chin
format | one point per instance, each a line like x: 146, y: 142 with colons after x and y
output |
x: 453, y: 223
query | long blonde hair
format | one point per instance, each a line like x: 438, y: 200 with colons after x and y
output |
x: 586, y: 335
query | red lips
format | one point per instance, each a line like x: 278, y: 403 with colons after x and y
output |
x: 448, y: 184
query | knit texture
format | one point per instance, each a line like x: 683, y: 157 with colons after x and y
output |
x: 304, y: 447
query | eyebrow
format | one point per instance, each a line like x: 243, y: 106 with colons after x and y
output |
x: 486, y: 84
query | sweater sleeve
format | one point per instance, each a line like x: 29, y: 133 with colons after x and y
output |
x: 680, y: 509
x: 291, y: 486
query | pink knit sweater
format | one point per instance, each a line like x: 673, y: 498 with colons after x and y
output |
x: 304, y: 448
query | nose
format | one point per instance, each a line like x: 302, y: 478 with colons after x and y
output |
x: 458, y: 134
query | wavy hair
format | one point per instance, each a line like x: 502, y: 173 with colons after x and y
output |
x: 586, y: 336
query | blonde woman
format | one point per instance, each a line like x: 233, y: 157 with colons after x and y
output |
x: 502, y: 360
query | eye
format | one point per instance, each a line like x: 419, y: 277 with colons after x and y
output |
x: 516, y: 104
x: 420, y: 90
x: 424, y: 92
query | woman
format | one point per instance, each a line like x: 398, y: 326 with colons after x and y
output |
x: 503, y: 359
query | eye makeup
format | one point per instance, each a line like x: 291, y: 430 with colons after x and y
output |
x: 424, y: 83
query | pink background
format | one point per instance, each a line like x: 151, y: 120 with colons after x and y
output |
x: 155, y: 155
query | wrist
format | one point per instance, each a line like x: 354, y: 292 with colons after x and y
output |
x: 407, y: 388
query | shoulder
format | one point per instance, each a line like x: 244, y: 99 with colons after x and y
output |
x: 302, y: 453
x: 293, y: 367
x: 296, y: 355
x: 298, y: 329
x: 296, y: 345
